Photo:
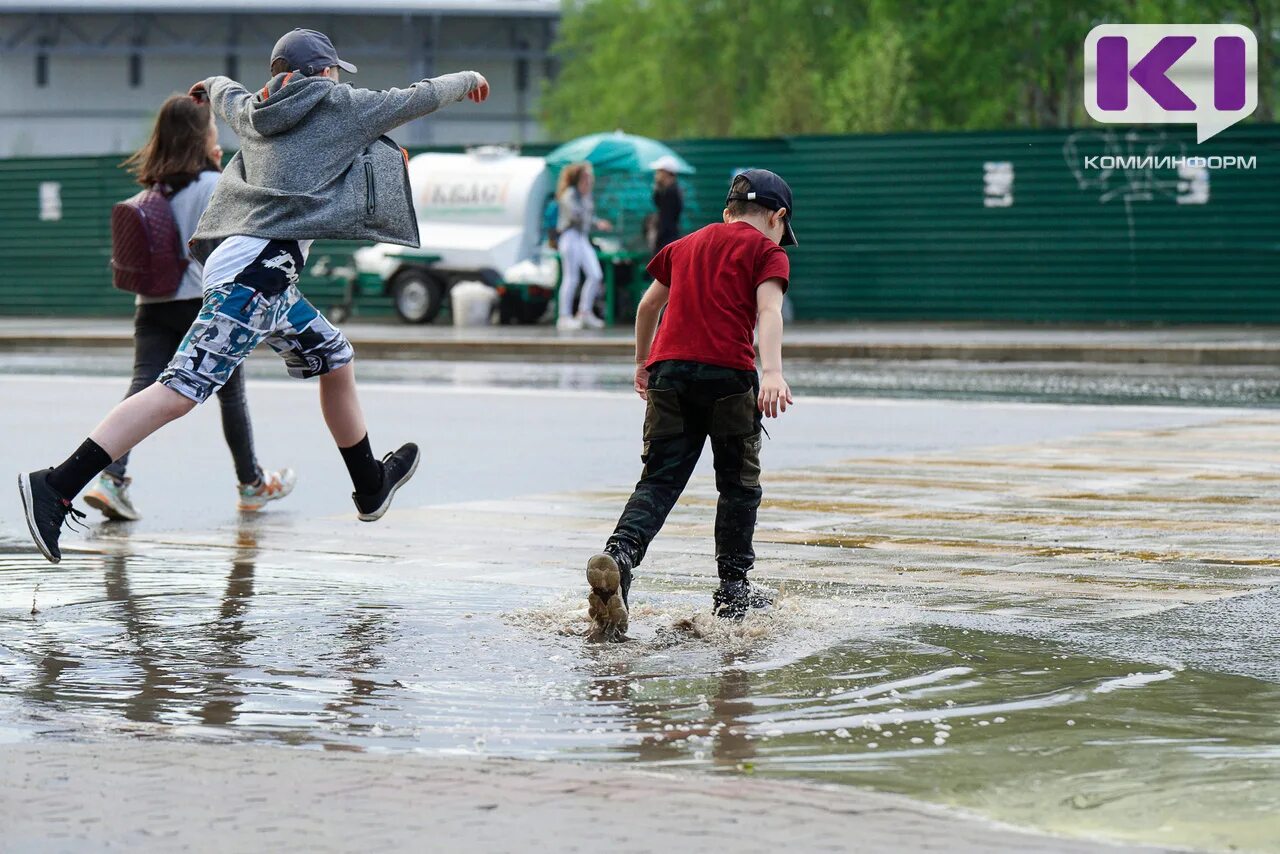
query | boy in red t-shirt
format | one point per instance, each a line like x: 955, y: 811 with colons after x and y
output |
x: 698, y: 375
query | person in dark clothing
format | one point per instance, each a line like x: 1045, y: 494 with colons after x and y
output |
x: 668, y: 199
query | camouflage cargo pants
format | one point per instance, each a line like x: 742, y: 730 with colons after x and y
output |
x: 690, y: 402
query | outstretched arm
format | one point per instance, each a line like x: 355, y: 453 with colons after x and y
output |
x: 381, y: 111
x: 775, y: 394
x: 647, y: 314
x: 226, y: 98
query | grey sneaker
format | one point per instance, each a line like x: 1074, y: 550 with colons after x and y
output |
x: 733, y: 599
x: 111, y: 496
x: 610, y: 578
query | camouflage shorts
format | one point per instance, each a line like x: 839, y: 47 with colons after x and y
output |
x: 236, y: 318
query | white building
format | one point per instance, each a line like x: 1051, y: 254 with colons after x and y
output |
x: 85, y: 76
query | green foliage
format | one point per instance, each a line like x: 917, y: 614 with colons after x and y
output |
x: 874, y: 90
x: 711, y: 68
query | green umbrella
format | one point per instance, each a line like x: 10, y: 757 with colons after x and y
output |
x: 617, y: 151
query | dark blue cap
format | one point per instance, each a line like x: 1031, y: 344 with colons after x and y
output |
x: 767, y: 189
x: 309, y: 52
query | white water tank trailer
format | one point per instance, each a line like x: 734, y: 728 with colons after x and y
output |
x: 479, y: 213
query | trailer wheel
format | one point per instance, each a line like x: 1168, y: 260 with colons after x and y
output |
x: 417, y: 296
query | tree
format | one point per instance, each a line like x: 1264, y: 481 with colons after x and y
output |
x: 710, y: 68
x: 873, y: 90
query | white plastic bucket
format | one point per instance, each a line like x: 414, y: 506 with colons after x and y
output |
x: 473, y: 303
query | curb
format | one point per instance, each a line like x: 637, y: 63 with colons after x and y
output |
x: 591, y: 349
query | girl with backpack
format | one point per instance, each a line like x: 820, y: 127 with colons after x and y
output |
x: 182, y: 162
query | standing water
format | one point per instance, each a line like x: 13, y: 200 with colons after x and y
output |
x: 1076, y: 633
x: 841, y: 682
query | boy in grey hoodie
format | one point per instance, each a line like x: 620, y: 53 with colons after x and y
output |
x: 313, y: 163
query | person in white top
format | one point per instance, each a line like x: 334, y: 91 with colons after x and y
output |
x: 578, y: 261
x: 183, y: 154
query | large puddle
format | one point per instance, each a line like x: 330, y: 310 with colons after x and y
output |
x: 1079, y: 730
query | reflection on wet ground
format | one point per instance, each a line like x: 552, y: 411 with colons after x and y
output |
x: 1076, y: 635
x: 842, y: 684
x: 1187, y: 385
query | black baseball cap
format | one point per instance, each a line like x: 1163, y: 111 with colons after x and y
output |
x: 767, y: 190
x: 308, y: 51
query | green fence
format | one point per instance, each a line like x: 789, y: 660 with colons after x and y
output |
x: 1017, y: 226
x: 1024, y: 226
x: 60, y: 266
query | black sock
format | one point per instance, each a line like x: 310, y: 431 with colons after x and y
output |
x: 366, y: 471
x: 81, y: 467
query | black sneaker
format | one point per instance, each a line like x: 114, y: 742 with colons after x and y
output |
x: 733, y: 599
x: 397, y: 468
x: 46, y: 511
x: 609, y: 575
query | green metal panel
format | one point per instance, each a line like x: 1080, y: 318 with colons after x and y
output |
x: 891, y: 227
x: 896, y: 227
x: 59, y: 267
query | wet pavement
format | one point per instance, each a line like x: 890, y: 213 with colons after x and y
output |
x: 1044, y: 382
x: 215, y: 798
x: 1057, y: 616
x: 804, y: 330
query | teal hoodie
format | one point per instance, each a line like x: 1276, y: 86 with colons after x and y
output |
x: 314, y: 161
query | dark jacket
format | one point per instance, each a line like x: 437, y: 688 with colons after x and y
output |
x: 669, y: 201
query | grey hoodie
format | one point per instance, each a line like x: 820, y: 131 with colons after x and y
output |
x: 313, y: 161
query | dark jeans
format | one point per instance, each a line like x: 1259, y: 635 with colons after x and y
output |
x: 158, y: 329
x: 689, y: 402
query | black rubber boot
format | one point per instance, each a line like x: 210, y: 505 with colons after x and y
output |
x: 735, y: 597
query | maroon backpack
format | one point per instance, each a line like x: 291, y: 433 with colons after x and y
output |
x: 147, y: 256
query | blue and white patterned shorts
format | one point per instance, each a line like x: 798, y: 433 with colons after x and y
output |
x: 263, y: 303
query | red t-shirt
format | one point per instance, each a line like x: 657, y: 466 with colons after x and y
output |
x: 713, y: 275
